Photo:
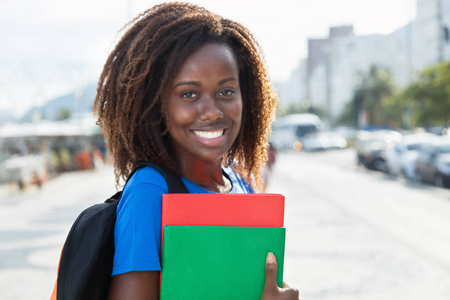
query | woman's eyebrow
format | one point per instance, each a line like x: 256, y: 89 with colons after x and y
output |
x: 197, y: 83
x: 225, y: 80
x: 187, y: 83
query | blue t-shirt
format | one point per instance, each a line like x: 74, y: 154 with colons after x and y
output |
x: 137, y: 233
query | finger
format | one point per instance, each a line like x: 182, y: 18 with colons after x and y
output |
x: 271, y: 271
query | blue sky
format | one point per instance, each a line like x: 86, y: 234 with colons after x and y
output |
x: 52, y: 46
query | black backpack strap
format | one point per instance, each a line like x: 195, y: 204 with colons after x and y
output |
x: 174, y: 183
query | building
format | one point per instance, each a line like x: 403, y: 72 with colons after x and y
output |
x: 334, y: 64
x: 430, y: 33
x: 293, y: 92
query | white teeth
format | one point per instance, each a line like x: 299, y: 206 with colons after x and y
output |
x: 209, y: 134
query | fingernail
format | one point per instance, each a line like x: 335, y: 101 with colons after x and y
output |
x: 270, y: 258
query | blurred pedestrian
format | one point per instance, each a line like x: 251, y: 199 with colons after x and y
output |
x: 187, y: 89
x: 271, y: 158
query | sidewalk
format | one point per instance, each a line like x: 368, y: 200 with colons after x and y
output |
x: 34, y: 224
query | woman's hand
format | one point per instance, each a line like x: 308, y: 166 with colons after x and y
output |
x: 271, y: 289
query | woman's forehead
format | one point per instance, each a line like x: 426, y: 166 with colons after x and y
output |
x: 208, y: 59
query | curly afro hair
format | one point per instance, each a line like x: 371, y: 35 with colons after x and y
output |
x: 130, y: 93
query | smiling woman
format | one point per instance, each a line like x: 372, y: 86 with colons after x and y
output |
x: 188, y: 90
x: 204, y: 108
x: 150, y: 65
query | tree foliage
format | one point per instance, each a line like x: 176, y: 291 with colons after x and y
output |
x: 375, y: 89
x: 428, y: 98
x: 347, y: 117
x: 424, y: 103
x: 63, y: 114
x: 375, y: 96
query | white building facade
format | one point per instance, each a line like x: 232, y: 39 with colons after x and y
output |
x: 334, y: 64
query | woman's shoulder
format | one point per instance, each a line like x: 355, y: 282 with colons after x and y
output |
x: 145, y: 188
x: 147, y: 176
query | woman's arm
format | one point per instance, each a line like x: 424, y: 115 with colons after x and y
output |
x: 137, y: 285
x: 271, y: 289
x: 145, y: 285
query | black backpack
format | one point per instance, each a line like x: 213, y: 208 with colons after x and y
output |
x: 86, y: 261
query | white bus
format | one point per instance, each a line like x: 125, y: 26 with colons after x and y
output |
x: 289, y: 131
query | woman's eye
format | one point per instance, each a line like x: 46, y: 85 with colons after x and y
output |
x: 227, y: 92
x: 188, y: 95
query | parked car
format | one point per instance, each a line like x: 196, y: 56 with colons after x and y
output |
x: 401, y: 157
x: 371, y: 147
x: 433, y: 163
x: 320, y: 141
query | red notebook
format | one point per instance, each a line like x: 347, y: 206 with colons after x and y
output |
x: 252, y: 210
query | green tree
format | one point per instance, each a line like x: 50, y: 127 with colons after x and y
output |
x: 428, y: 98
x: 347, y: 117
x: 375, y: 95
x: 63, y: 114
x: 376, y: 87
x: 392, y: 112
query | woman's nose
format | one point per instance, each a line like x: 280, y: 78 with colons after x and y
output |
x: 209, y: 109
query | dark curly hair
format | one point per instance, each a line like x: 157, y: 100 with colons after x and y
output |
x: 130, y: 94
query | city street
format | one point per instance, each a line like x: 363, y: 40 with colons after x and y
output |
x: 352, y: 234
x: 358, y: 234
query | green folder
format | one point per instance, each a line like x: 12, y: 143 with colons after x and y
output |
x: 218, y: 262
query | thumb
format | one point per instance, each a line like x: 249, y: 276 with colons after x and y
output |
x: 271, y: 272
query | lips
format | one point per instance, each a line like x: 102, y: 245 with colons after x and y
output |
x: 209, y: 134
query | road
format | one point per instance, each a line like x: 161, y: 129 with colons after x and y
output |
x: 358, y: 234
x: 351, y: 233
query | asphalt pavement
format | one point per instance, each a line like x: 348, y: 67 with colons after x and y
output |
x: 351, y: 234
x: 358, y: 234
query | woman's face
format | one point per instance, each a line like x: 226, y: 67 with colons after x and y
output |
x: 204, y: 105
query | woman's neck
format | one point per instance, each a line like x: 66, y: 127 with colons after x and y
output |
x: 206, y: 175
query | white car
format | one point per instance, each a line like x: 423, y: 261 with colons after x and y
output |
x: 24, y: 170
x: 401, y: 157
x: 319, y: 141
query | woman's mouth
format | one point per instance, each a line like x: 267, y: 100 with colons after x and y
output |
x: 209, y: 134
